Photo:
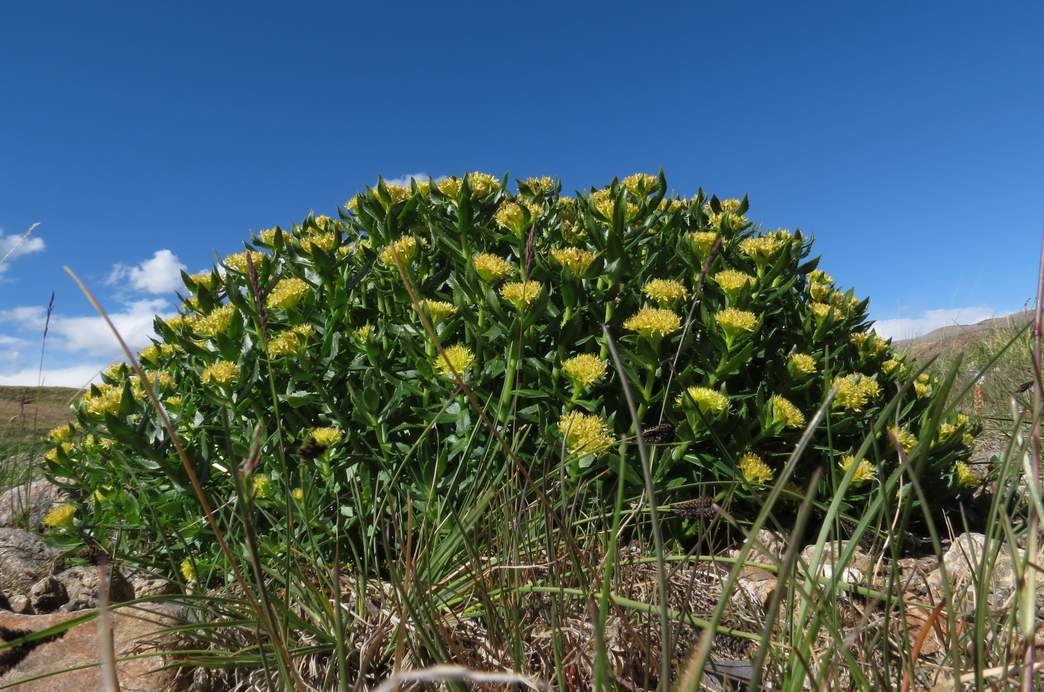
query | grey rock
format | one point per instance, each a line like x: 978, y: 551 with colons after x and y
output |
x: 963, y: 562
x: 154, y: 587
x: 82, y: 586
x: 855, y: 571
x: 27, y: 504
x: 24, y: 560
x: 47, y: 595
x: 21, y: 604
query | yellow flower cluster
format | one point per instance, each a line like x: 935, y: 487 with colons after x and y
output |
x: 665, y: 291
x: 438, y: 310
x: 521, y: 293
x: 188, y: 571
x: 482, y: 184
x: 906, y: 439
x: 491, y: 268
x: 449, y: 186
x: 512, y: 217
x: 894, y: 365
x: 153, y: 353
x: 457, y: 357
x: 106, y: 401
x: 732, y: 282
x: 575, y: 259
x: 855, y: 391
x: 398, y: 193
x: 318, y: 242
x: 539, y: 186
x: 215, y: 322
x: 640, y: 183
x: 735, y: 322
x: 653, y: 323
x: 824, y: 312
x: 865, y: 471
x: 203, y: 280
x: 238, y: 261
x: 586, y: 434
x: 763, y: 249
x: 161, y: 380
x: 923, y: 385
x: 709, y: 401
x: 399, y: 252
x: 325, y: 436
x: 292, y: 342
x: 605, y: 204
x: 62, y: 433
x: 964, y: 475
x: 260, y: 486
x: 585, y: 369
x: 785, y: 412
x: 297, y: 494
x: 754, y: 469
x: 869, y: 344
x: 61, y: 517
x: 176, y: 323
x: 220, y: 373
x: 66, y: 448
x: 268, y: 236
x: 364, y: 332
x: 801, y: 365
x: 702, y: 242
x: 287, y: 294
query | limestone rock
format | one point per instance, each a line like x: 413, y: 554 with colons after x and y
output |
x: 962, y: 563
x: 135, y: 633
x: 24, y: 560
x: 855, y: 571
x: 20, y: 604
x: 29, y: 502
x: 47, y: 595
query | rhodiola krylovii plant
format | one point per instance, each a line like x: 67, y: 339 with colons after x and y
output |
x: 328, y: 358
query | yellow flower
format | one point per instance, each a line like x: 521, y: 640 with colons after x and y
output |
x: 754, y: 470
x: 817, y: 276
x: 260, y: 486
x: 586, y: 434
x: 460, y: 358
x: 102, y: 493
x: 702, y: 242
x: 735, y: 322
x: 665, y: 291
x: 297, y: 494
x: 785, y: 412
x: 894, y: 365
x: 398, y: 193
x: 709, y: 401
x: 964, y: 475
x: 438, y: 310
x: 221, y: 373
x: 173, y: 402
x: 151, y: 353
x: 923, y: 385
x: 763, y: 249
x: 865, y: 471
x: 732, y: 282
x: 268, y: 236
x: 512, y: 217
x: 287, y: 294
x: 352, y: 205
x: 869, y: 344
x: 653, y: 323
x: 106, y: 401
x: 823, y: 312
x: 640, y: 183
x: 855, y: 391
x: 906, y: 439
x: 61, y: 517
x: 364, y: 332
x: 521, y: 293
x: 188, y: 571
x: 449, y: 186
x: 605, y: 204
x: 292, y: 342
x: 585, y: 369
x: 482, y: 184
x: 801, y: 365
x: 399, y: 252
x: 238, y: 261
x: 216, y: 322
x: 65, y: 447
x: 176, y: 322
x: 321, y: 242
x: 575, y: 259
x: 491, y: 268
x: 538, y: 186
x: 203, y: 280
x: 325, y: 436
x: 63, y: 433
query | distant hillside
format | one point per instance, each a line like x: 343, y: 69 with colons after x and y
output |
x: 27, y: 413
x: 958, y: 337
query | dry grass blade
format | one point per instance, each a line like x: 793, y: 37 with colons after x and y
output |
x: 1029, y: 608
x: 107, y: 654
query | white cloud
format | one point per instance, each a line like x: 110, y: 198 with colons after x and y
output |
x: 405, y: 179
x: 928, y: 320
x: 89, y: 335
x: 14, y: 246
x: 72, y: 376
x: 159, y: 274
x: 7, y: 341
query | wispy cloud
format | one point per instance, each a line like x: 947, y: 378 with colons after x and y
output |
x: 72, y: 376
x: 14, y: 246
x: 159, y: 274
x: 928, y: 320
x: 405, y: 179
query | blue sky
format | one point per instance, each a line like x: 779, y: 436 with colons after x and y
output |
x: 908, y: 138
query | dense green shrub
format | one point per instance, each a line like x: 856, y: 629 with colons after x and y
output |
x: 357, y: 410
